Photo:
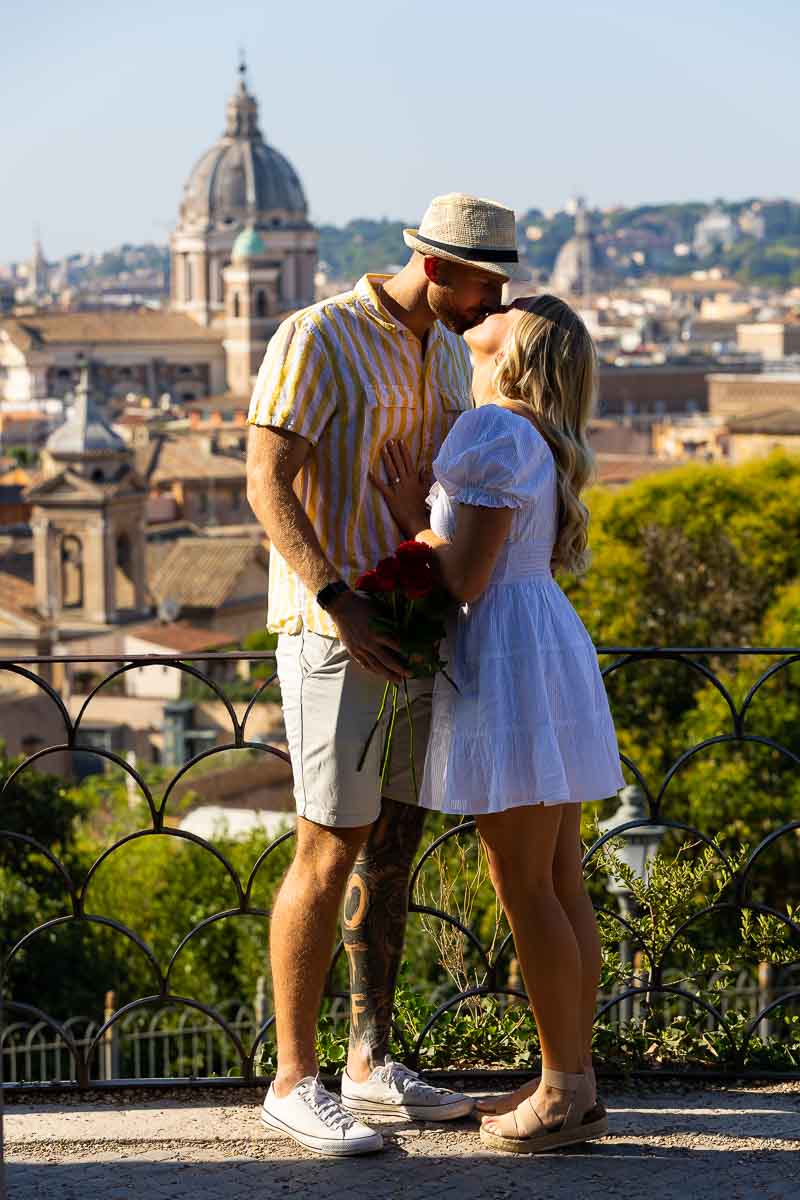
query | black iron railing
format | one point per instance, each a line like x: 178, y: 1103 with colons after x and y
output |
x: 651, y: 979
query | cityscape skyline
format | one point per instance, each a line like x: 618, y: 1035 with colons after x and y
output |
x: 688, y: 111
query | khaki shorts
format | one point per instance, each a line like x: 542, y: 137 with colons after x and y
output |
x: 329, y: 706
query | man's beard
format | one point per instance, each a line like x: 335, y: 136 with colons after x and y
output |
x: 451, y: 317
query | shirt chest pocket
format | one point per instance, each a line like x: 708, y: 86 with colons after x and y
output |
x: 389, y: 397
x: 391, y: 412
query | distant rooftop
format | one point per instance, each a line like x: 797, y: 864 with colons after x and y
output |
x: 42, y: 329
x: 778, y: 421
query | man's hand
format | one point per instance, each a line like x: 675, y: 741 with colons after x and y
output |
x: 374, y: 651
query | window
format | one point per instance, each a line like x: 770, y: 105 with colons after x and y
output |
x: 71, y: 572
x: 187, y: 279
x: 124, y: 553
x: 236, y: 304
x: 261, y: 304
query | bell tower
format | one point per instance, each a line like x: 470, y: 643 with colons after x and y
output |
x: 88, y: 517
x: 252, y: 287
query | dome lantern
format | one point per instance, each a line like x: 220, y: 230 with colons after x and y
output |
x: 242, y: 110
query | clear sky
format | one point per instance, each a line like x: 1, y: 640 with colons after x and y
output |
x: 381, y: 104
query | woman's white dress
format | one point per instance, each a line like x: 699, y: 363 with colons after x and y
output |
x: 530, y: 723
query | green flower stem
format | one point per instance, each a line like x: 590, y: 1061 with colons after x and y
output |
x: 387, y: 749
x: 372, y: 731
x: 411, y: 742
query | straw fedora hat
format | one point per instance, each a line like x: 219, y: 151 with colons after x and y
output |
x: 466, y: 229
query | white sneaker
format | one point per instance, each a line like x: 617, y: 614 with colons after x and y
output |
x: 316, y: 1119
x: 393, y: 1089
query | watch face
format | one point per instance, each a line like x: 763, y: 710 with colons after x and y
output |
x: 329, y: 593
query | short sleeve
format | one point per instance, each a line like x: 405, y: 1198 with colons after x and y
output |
x: 295, y: 385
x: 492, y: 458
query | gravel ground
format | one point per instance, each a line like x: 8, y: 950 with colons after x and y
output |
x: 665, y: 1140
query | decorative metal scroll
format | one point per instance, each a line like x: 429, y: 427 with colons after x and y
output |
x: 653, y: 979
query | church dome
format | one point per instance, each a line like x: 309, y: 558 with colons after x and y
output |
x: 241, y: 180
x: 579, y: 262
x: 85, y: 434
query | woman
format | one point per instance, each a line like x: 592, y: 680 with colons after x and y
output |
x: 528, y: 736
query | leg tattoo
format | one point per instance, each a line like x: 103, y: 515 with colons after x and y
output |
x: 375, y: 911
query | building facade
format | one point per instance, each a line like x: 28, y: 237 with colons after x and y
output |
x: 88, y: 521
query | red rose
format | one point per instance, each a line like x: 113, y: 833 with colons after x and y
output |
x: 369, y: 582
x: 388, y: 571
x: 417, y: 577
x: 382, y: 579
x: 414, y: 550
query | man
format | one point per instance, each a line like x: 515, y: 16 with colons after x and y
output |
x: 340, y: 380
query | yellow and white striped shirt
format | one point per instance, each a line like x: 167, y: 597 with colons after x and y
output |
x: 346, y: 376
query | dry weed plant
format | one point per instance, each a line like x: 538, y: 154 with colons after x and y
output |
x: 452, y: 885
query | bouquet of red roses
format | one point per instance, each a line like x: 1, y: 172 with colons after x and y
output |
x: 410, y: 604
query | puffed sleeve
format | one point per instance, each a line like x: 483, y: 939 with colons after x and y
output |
x: 492, y: 458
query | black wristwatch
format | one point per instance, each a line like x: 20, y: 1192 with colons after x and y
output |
x: 331, y: 592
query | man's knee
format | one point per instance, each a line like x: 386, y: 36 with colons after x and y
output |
x: 325, y: 856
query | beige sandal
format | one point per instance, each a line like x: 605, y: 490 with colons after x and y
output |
x: 506, y: 1102
x: 522, y: 1130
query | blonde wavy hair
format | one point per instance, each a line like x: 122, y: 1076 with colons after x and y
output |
x: 549, y: 365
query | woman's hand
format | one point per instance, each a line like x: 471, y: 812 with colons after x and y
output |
x: 404, y: 488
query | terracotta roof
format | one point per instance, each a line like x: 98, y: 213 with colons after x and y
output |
x: 201, y: 572
x: 17, y: 595
x: 778, y: 421
x: 180, y: 636
x: 21, y: 337
x: 624, y: 468
x: 263, y: 784
x: 223, y: 402
x: 685, y: 283
x: 166, y: 459
x: 144, y: 326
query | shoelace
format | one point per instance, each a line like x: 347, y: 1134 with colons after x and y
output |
x: 326, y: 1108
x: 403, y: 1077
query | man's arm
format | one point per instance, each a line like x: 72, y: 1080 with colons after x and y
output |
x: 274, y: 458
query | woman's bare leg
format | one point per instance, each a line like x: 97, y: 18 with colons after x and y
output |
x: 570, y: 888
x: 521, y: 848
